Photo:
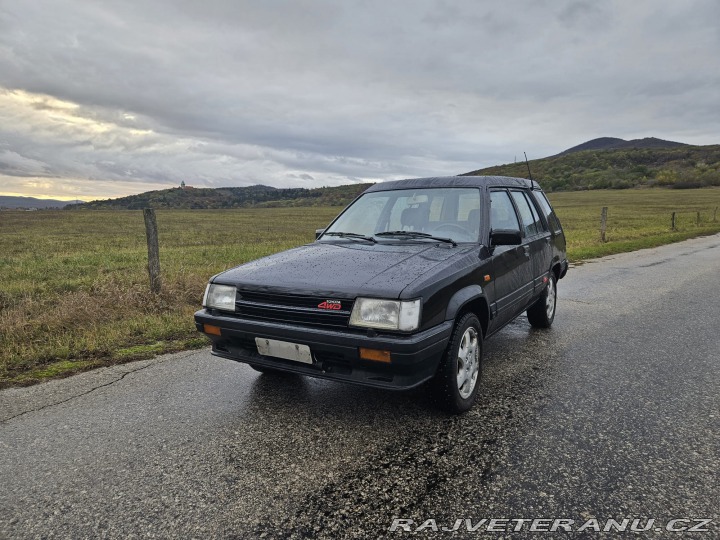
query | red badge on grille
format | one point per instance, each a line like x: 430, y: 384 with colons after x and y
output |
x: 330, y: 304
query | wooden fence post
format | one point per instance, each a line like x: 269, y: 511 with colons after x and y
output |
x: 153, y: 249
x: 603, y: 223
x: 673, y: 221
x: 698, y: 219
x: 715, y: 214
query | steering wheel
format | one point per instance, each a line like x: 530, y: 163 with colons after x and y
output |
x: 452, y: 227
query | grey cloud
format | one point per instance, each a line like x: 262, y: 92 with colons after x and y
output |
x: 237, y: 92
x: 14, y: 164
x: 585, y: 13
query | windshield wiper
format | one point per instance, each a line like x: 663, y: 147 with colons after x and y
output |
x: 417, y: 234
x: 351, y: 235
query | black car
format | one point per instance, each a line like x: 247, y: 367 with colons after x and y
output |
x: 400, y: 289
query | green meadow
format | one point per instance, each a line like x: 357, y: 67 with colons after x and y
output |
x: 74, y: 287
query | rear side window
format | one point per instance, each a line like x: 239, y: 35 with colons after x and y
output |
x: 547, y: 210
x: 530, y: 220
x: 536, y: 216
x: 502, y: 212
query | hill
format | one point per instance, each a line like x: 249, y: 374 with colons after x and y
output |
x: 599, y: 164
x: 612, y: 143
x: 9, y: 202
x: 233, y: 197
x: 607, y: 162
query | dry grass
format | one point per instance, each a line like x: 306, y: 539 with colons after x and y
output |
x: 74, y: 288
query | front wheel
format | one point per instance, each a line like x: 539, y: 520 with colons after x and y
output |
x: 457, y: 379
x: 542, y: 313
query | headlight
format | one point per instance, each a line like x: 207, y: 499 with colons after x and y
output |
x: 386, y: 314
x: 220, y: 297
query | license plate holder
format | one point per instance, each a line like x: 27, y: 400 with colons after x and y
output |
x: 284, y: 349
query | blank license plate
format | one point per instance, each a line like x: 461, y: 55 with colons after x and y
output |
x: 284, y: 349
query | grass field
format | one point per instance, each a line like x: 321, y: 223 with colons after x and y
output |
x: 74, y: 287
x: 637, y: 218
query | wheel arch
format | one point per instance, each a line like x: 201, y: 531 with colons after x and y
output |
x: 559, y: 267
x: 470, y: 299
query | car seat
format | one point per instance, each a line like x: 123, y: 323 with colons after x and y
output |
x: 415, y: 218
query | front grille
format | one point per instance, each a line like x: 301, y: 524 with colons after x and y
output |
x: 291, y: 308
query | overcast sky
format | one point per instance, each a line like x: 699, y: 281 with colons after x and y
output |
x: 103, y: 99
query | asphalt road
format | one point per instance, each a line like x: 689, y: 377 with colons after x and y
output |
x: 613, y: 413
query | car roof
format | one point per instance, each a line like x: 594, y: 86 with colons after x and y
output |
x: 454, y: 181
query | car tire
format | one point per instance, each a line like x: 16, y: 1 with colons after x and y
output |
x: 542, y: 313
x: 456, y: 382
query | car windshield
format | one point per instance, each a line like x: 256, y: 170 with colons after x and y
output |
x: 452, y: 213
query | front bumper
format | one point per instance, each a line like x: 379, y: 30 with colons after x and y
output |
x: 414, y: 357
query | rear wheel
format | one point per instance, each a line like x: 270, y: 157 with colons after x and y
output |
x: 457, y: 379
x: 542, y: 313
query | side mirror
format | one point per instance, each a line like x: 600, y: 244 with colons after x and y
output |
x: 502, y: 237
x: 318, y: 232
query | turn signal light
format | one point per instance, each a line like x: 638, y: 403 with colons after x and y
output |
x: 375, y: 355
x: 210, y: 329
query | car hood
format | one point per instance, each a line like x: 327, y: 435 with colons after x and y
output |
x: 343, y: 269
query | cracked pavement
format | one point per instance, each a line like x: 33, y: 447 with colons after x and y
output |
x: 614, y: 412
x: 17, y: 402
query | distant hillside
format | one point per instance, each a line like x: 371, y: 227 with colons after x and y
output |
x: 234, y: 197
x: 600, y: 167
x: 602, y: 163
x: 612, y: 143
x: 30, y: 202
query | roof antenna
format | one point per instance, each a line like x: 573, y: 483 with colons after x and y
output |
x: 528, y: 166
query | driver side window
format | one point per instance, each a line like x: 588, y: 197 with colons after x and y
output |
x: 502, y: 212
